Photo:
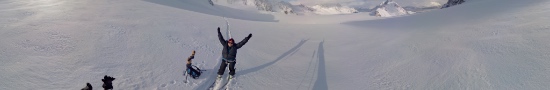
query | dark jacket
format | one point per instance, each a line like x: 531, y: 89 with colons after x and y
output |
x: 230, y: 53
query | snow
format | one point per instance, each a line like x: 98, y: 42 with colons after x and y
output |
x: 480, y: 44
x: 331, y: 10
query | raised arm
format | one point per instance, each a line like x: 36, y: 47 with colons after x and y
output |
x: 222, y: 41
x: 240, y: 44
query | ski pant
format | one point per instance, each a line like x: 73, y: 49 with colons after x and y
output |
x: 231, y: 67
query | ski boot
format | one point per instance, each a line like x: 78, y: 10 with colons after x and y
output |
x: 230, y: 77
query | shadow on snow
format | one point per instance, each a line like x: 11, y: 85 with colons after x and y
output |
x: 321, y: 83
x: 295, y: 48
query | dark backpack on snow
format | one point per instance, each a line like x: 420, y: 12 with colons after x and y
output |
x: 194, y: 72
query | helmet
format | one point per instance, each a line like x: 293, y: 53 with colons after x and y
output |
x: 231, y: 40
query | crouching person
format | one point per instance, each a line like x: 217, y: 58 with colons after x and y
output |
x: 193, y: 72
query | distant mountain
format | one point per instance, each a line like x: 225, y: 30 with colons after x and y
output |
x: 265, y: 5
x: 389, y: 8
x: 452, y: 3
x: 287, y: 8
x: 330, y: 9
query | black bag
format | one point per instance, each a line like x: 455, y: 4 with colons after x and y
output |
x: 194, y: 72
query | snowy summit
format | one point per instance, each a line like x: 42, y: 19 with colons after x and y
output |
x: 389, y: 8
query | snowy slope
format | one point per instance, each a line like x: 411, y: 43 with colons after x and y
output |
x: 53, y: 45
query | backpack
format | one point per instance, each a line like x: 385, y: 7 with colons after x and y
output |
x: 194, y: 72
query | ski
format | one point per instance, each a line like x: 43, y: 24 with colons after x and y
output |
x: 212, y: 87
x: 229, y: 81
x: 218, y: 84
x: 223, y: 86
